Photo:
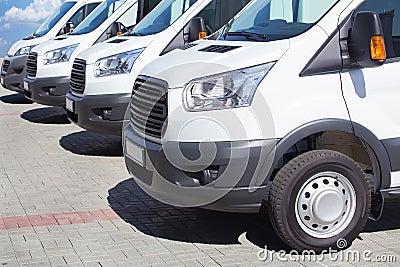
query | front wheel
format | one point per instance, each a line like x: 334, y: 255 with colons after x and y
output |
x: 319, y: 200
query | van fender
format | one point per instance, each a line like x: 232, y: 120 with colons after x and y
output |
x: 341, y: 125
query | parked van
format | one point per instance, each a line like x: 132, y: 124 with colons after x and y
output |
x: 294, y: 104
x: 103, y: 76
x: 63, y: 21
x: 49, y: 64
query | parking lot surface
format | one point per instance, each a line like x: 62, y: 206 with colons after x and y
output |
x: 67, y: 199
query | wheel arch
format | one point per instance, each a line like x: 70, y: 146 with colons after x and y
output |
x: 375, y: 146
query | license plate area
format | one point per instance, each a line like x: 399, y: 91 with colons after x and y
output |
x: 69, y: 104
x: 134, y: 152
x: 26, y: 86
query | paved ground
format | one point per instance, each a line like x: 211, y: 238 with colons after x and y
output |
x: 66, y: 198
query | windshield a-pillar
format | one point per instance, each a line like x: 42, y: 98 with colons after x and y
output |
x: 49, y: 23
x: 164, y: 15
x: 98, y: 16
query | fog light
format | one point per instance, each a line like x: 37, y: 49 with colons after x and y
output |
x: 107, y: 114
x: 208, y: 176
x: 52, y: 90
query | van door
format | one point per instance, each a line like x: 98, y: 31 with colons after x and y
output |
x: 373, y: 94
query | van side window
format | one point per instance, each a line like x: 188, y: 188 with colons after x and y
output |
x: 82, y: 13
x: 389, y: 12
x: 90, y: 8
x: 218, y: 12
x: 129, y: 18
x: 78, y: 16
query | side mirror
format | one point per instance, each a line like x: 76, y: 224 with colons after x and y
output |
x: 114, y: 30
x: 196, y: 30
x: 366, y: 40
x: 69, y: 27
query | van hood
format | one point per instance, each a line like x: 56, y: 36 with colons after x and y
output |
x: 24, y: 43
x: 58, y: 42
x: 114, y: 46
x: 205, y: 58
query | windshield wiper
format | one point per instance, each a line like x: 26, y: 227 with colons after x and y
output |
x: 228, y: 26
x: 134, y: 34
x: 249, y: 35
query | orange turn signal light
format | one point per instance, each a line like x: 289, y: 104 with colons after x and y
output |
x: 377, y: 48
x: 202, y: 35
x: 119, y: 33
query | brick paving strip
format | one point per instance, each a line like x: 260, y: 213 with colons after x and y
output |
x: 10, y: 114
x: 79, y: 217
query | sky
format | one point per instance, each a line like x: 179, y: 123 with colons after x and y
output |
x: 20, y: 18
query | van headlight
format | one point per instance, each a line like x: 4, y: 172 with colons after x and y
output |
x: 116, y: 64
x: 24, y: 50
x: 232, y: 89
x: 59, y: 55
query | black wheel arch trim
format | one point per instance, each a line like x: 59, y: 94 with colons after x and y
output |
x: 342, y: 125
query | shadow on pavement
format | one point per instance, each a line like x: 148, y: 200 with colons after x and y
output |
x: 92, y: 144
x: 189, y: 224
x: 49, y: 115
x: 15, y: 99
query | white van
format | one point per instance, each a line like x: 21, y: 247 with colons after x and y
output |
x: 49, y: 64
x: 103, y: 76
x: 70, y: 14
x: 295, y: 104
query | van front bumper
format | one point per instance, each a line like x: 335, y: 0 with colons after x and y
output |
x: 167, y: 182
x: 99, y: 113
x: 47, y: 91
x: 13, y: 78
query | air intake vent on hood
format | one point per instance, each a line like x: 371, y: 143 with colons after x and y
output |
x: 185, y: 47
x: 218, y: 48
x: 117, y: 41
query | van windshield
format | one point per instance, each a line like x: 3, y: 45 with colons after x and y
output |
x: 164, y: 15
x: 98, y: 16
x: 272, y: 20
x: 49, y: 23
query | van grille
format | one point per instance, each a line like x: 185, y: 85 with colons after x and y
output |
x: 6, y: 64
x: 77, y: 82
x: 31, y: 65
x: 149, y: 106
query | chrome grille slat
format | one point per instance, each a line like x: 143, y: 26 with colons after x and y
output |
x: 149, y: 106
x: 144, y: 116
x: 159, y: 111
x: 153, y: 88
x: 78, y: 76
x: 148, y: 96
x: 6, y: 65
x: 143, y: 129
x: 31, y: 65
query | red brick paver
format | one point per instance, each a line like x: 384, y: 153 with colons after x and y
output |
x: 10, y: 114
x: 79, y: 217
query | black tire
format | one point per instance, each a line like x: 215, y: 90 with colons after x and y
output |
x: 288, y: 183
